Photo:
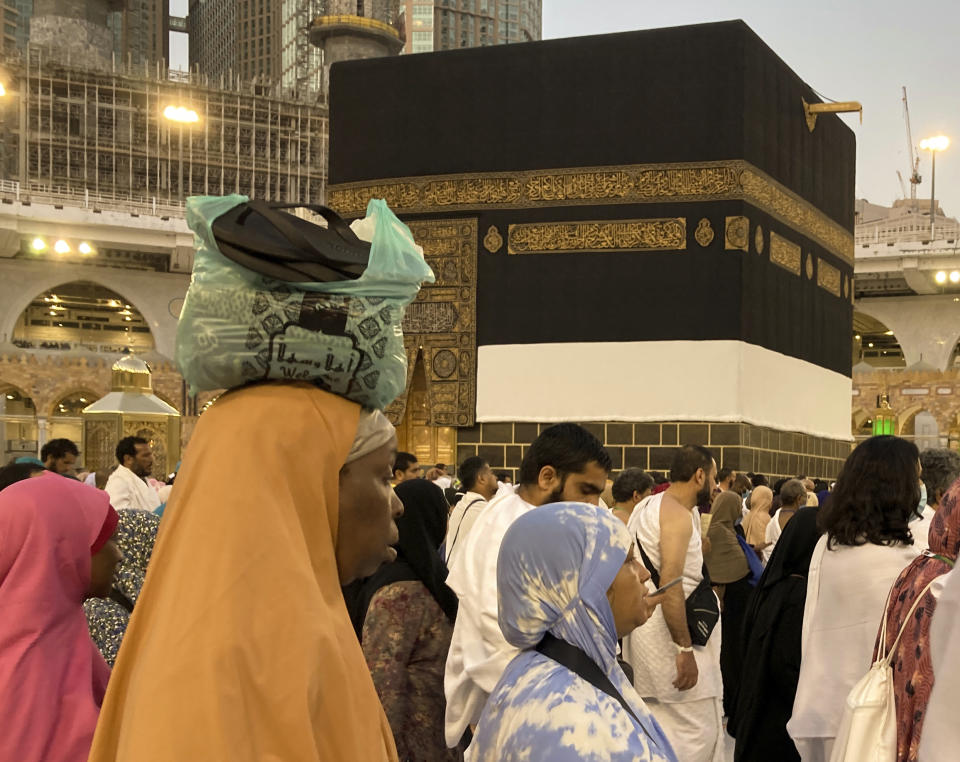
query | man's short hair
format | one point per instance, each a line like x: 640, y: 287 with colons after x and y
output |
x: 758, y: 480
x: 724, y: 473
x: 938, y: 469
x: 403, y: 461
x: 567, y: 447
x: 128, y: 446
x: 631, y: 480
x: 442, y: 466
x: 792, y: 491
x: 469, y: 471
x: 687, y: 460
x: 503, y: 476
x: 16, y: 472
x: 58, y: 448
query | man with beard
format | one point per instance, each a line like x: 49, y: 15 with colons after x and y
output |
x: 565, y: 463
x: 127, y: 486
x: 680, y: 682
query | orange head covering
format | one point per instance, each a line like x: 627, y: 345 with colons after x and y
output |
x: 755, y: 523
x: 240, y: 647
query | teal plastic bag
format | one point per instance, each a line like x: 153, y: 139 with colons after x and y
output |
x: 238, y: 327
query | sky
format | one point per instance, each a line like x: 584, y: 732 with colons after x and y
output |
x: 862, y: 50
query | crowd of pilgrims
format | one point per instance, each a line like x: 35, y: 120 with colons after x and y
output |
x: 316, y: 595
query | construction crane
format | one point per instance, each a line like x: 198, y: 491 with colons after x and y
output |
x: 911, y: 151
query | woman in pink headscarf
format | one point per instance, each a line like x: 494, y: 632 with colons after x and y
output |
x: 55, y: 550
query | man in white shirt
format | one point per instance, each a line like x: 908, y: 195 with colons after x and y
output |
x: 127, y: 486
x: 480, y: 485
x: 565, y: 463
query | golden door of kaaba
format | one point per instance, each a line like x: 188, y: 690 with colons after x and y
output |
x: 415, y: 433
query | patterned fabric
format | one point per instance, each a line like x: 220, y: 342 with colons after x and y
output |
x: 912, y: 666
x: 406, y: 636
x: 106, y: 618
x: 555, y: 566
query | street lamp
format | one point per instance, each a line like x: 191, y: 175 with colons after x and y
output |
x: 181, y: 115
x: 938, y: 143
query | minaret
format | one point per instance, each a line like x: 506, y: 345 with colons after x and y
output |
x: 74, y: 30
x: 347, y: 30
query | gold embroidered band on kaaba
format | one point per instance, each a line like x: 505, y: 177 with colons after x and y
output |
x: 634, y: 184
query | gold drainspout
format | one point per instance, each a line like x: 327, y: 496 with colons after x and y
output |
x: 704, y: 233
x: 590, y: 186
x: 664, y: 234
x: 828, y: 277
x: 784, y: 253
x: 737, y: 233
x: 442, y: 323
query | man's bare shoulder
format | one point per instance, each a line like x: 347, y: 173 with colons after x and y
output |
x: 673, y: 513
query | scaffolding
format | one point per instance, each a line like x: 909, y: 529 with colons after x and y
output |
x: 103, y: 134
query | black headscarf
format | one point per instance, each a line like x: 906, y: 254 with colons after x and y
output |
x: 771, y: 645
x: 422, y: 528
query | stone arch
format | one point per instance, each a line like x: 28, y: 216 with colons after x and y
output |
x: 857, y: 419
x: 70, y: 389
x: 905, y: 418
x: 875, y: 343
x: 17, y: 427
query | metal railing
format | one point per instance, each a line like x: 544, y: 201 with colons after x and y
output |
x: 47, y: 194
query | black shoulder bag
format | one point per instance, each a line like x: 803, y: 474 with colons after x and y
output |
x: 703, y: 612
x: 577, y: 661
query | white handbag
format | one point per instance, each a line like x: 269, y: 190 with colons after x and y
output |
x: 868, y: 730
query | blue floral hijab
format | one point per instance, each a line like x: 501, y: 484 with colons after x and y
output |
x: 556, y: 564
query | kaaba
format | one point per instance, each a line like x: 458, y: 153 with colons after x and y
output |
x: 643, y: 232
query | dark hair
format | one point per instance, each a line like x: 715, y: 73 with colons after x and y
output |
x: 659, y: 478
x: 687, y: 460
x: 791, y: 491
x: 403, y: 461
x: 501, y: 475
x: 631, y: 480
x: 469, y: 471
x: 17, y: 472
x: 938, y: 469
x: 741, y: 484
x: 876, y: 495
x: 565, y: 446
x: 724, y: 473
x: 758, y: 480
x: 58, y: 448
x: 441, y: 466
x: 819, y: 485
x: 778, y: 485
x: 128, y: 446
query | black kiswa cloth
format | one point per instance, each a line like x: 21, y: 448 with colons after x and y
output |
x: 422, y: 528
x: 771, y: 643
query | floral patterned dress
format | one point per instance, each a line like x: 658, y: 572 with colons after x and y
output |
x: 406, y: 637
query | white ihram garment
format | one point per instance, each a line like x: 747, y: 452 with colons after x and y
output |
x: 691, y: 720
x: 478, y: 651
x: 847, y: 590
x: 129, y: 491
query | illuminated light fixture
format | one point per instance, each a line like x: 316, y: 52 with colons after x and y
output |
x: 888, y: 333
x: 3, y: 90
x: 128, y: 319
x: 181, y: 114
x: 61, y: 247
x: 857, y: 337
x: 38, y: 244
x: 83, y: 399
x: 9, y: 396
x: 126, y: 306
x: 85, y: 248
x: 870, y: 345
x: 884, y: 419
x: 53, y: 312
x: 54, y: 298
x: 940, y: 277
x: 955, y: 276
x: 125, y: 312
x: 938, y: 143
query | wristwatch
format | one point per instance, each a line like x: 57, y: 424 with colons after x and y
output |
x: 683, y: 649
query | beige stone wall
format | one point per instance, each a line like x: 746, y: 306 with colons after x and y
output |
x: 909, y: 393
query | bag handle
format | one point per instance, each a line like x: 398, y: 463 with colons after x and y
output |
x: 888, y: 656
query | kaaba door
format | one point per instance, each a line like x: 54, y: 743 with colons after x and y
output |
x: 430, y: 444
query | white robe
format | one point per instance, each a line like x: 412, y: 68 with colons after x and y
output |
x: 478, y: 651
x: 847, y: 590
x: 129, y: 491
x: 462, y: 518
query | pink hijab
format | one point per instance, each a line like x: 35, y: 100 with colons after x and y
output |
x: 52, y: 678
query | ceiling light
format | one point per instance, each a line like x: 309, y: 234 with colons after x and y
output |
x: 54, y: 298
x: 857, y: 337
x: 9, y: 396
x: 888, y: 333
x: 113, y: 303
x: 38, y: 244
x: 940, y: 277
x: 128, y: 319
x: 83, y: 399
x: 53, y: 312
x: 61, y: 247
x: 86, y: 248
x: 955, y: 276
x: 870, y: 345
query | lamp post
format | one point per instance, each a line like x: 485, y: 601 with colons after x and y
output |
x: 181, y: 115
x: 938, y: 143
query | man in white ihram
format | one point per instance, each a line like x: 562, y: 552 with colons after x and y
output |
x: 565, y: 463
x: 680, y: 683
x: 127, y: 486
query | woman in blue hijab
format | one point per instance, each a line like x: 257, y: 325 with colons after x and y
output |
x: 566, y: 572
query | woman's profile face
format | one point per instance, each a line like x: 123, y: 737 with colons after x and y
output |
x: 103, y: 566
x: 628, y: 596
x: 368, y: 507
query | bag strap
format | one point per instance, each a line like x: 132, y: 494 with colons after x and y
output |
x: 449, y: 551
x: 580, y: 664
x: 654, y: 574
x: 887, y: 656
